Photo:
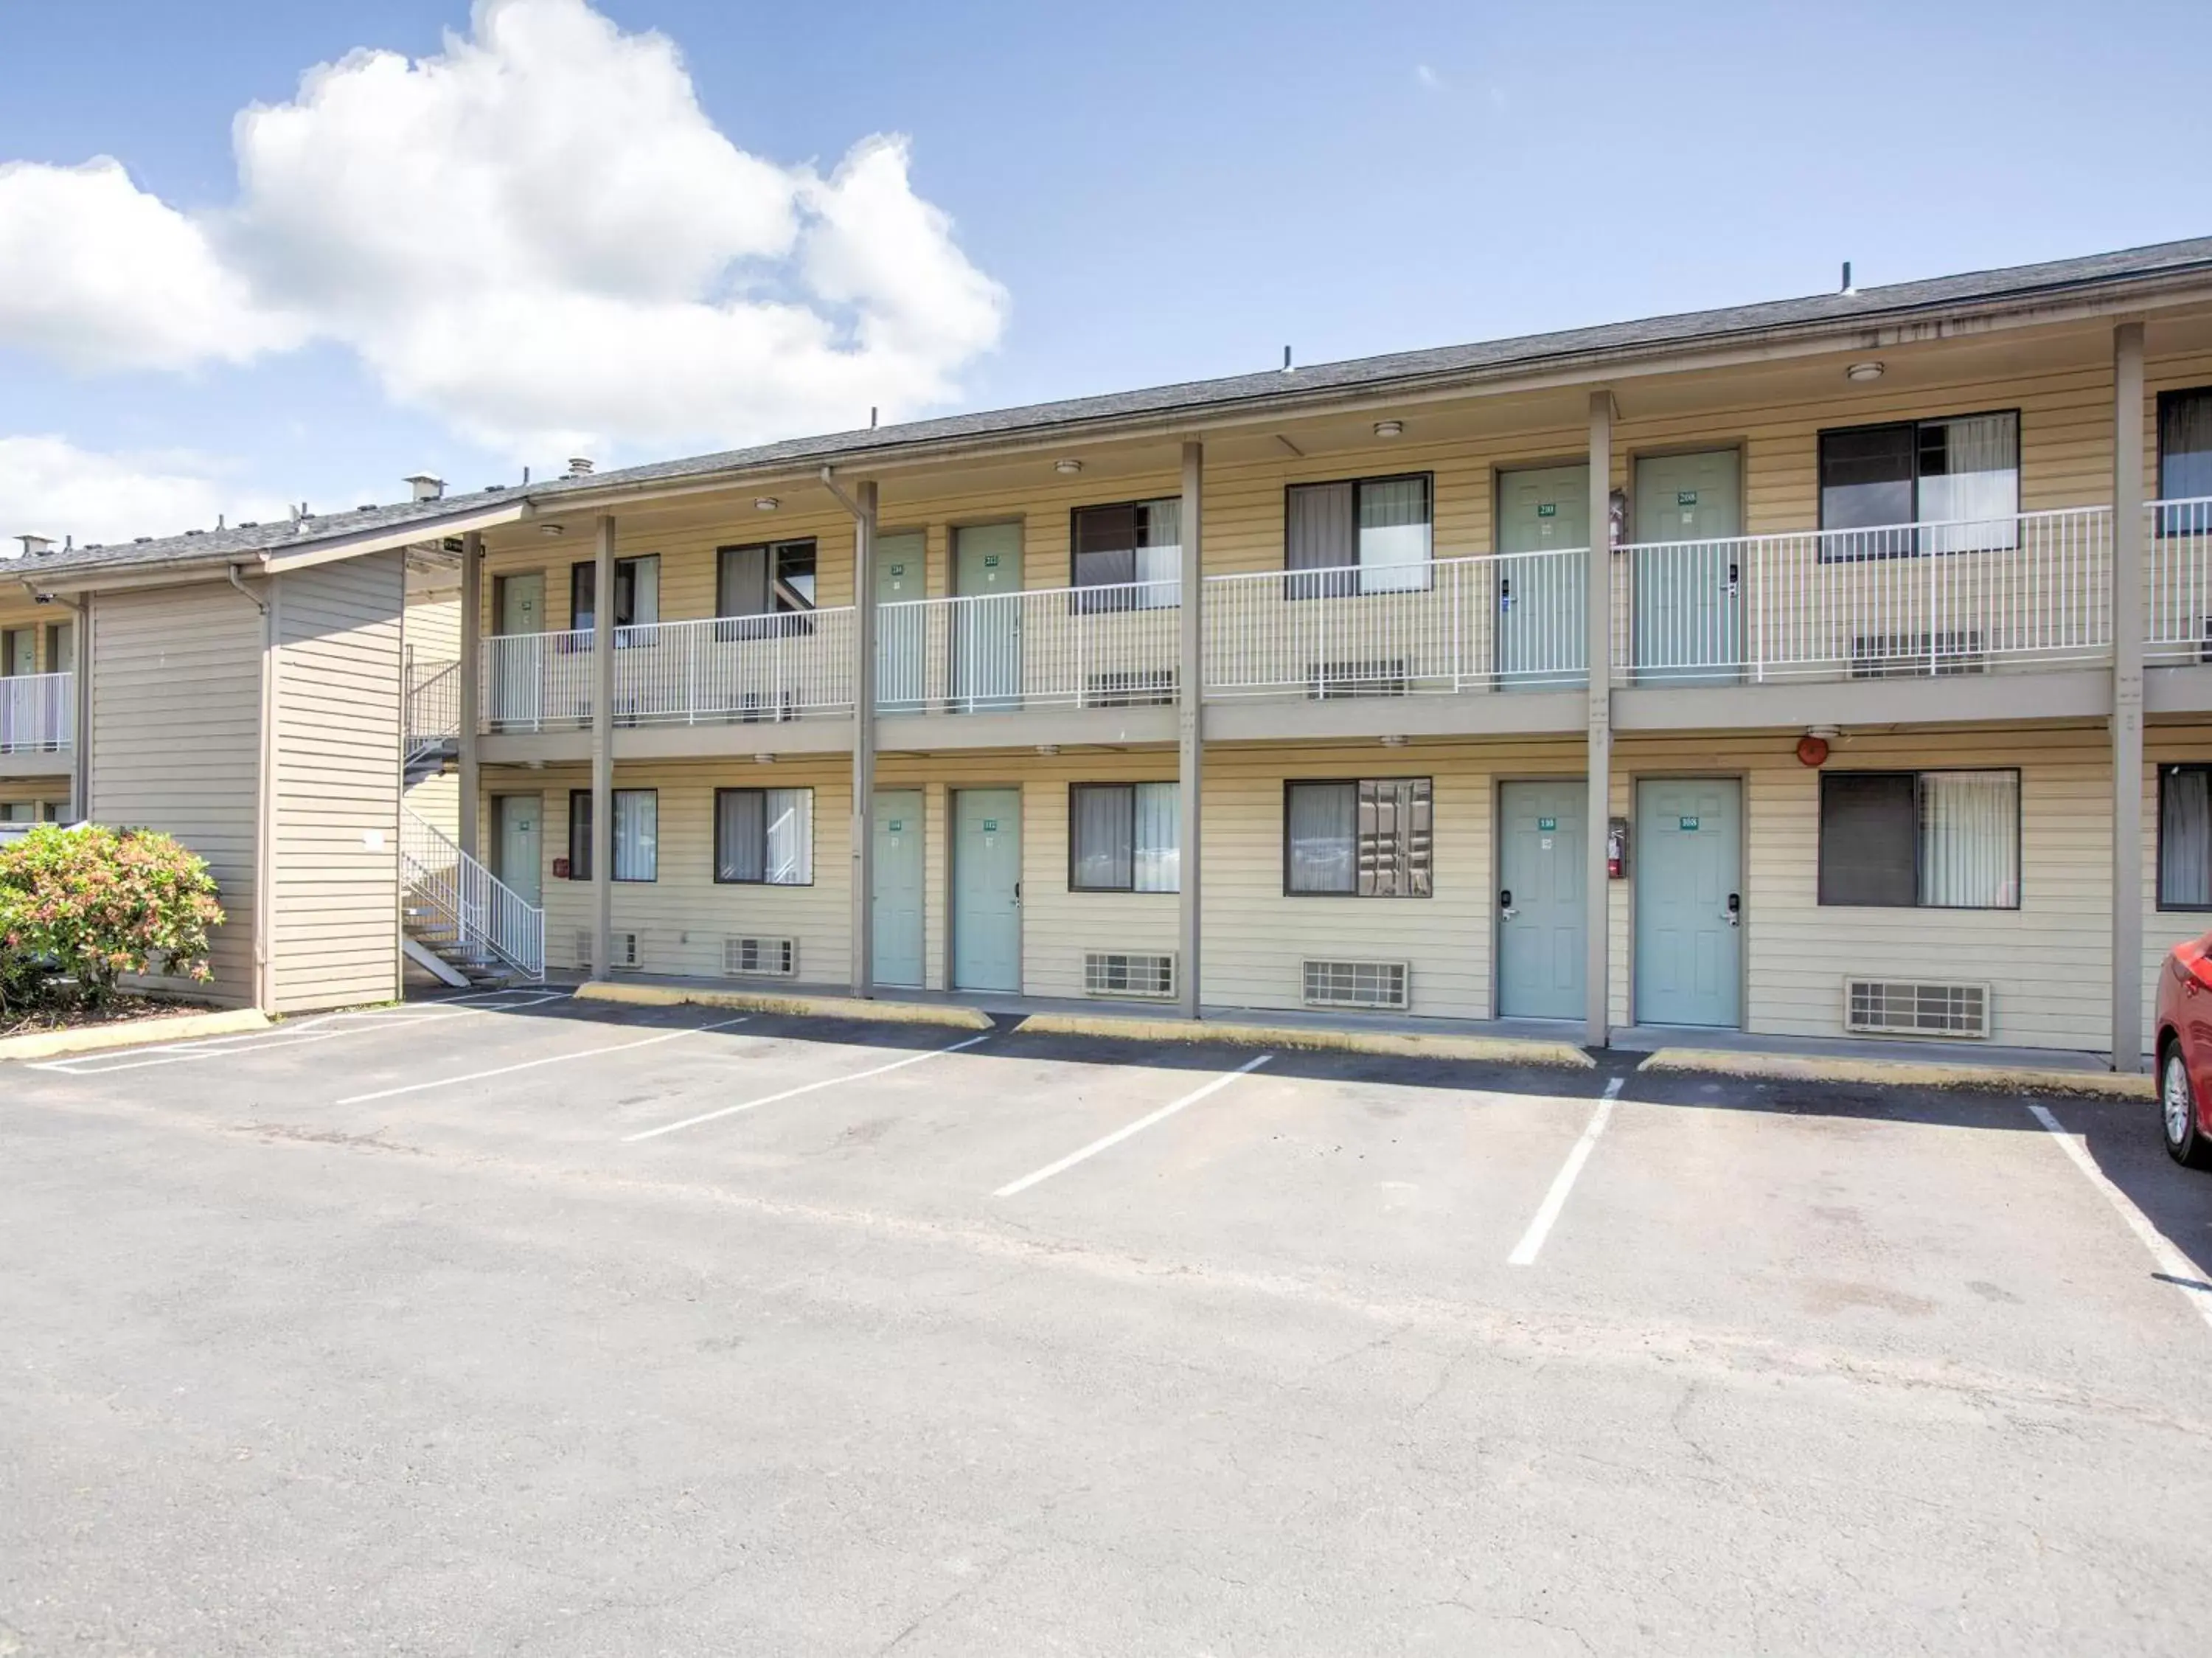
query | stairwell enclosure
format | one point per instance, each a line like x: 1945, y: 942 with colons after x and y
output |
x: 262, y: 729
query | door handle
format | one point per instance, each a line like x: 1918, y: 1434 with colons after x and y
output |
x: 1505, y: 910
x: 1733, y: 914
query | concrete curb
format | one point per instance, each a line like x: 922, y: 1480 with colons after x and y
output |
x: 803, y: 1007
x: 1901, y: 1073
x: 1405, y: 1044
x: 130, y: 1034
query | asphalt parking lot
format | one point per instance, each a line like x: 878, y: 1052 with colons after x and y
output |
x: 536, y: 1326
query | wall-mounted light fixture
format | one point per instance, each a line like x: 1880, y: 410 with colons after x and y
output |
x: 549, y: 529
x: 1068, y: 467
x: 1389, y: 427
x: 765, y: 503
x: 1864, y: 371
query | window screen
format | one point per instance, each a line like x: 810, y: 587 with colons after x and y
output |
x: 2184, y: 837
x: 764, y: 837
x: 1368, y: 838
x: 1124, y: 837
x: 1927, y: 839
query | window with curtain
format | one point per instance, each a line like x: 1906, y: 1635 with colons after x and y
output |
x: 1135, y: 549
x: 1932, y: 840
x: 2185, y: 458
x: 637, y: 593
x: 764, y: 837
x: 1125, y: 838
x: 1960, y: 476
x: 2184, y: 837
x: 757, y: 586
x: 1372, y: 838
x: 1363, y: 535
x: 637, y: 834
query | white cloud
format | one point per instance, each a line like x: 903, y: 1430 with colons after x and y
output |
x: 1427, y: 77
x: 536, y: 235
x: 48, y: 486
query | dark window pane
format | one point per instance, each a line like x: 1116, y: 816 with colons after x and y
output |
x: 794, y: 576
x: 583, y: 583
x: 579, y: 834
x: 1870, y: 838
x: 1866, y: 481
x: 741, y: 584
x: 1106, y: 540
x: 2184, y: 447
x: 2184, y: 837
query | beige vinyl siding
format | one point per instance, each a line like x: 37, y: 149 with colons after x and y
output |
x: 337, y: 806
x: 434, y: 628
x: 176, y: 698
x: 1797, y: 951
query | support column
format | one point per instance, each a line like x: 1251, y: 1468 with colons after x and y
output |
x: 863, y: 742
x: 1190, y: 711
x: 602, y: 751
x: 2127, y: 695
x: 471, y: 673
x: 1597, y: 652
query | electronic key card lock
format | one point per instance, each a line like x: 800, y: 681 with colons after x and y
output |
x: 1505, y: 910
x: 1733, y: 915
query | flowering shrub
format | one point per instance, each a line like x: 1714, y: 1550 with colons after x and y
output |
x: 79, y: 908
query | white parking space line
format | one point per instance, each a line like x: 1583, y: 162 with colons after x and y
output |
x: 804, y: 1087
x: 532, y: 1064
x: 1524, y: 1253
x: 1119, y: 1135
x: 2171, y: 1263
x: 328, y: 1028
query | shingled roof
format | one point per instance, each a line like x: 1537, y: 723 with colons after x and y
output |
x: 1271, y: 388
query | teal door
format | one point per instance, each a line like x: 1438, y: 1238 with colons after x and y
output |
x: 987, y: 889
x: 1689, y: 574
x: 521, y: 845
x: 1543, y: 513
x: 898, y: 888
x: 900, y: 637
x: 986, y: 632
x: 1540, y: 860
x: 1687, y: 864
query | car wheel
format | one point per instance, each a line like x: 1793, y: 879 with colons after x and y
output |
x: 2185, y: 1142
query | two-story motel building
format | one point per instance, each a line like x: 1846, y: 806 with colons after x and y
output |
x: 1883, y: 704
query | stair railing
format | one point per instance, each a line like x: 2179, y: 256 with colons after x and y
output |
x: 483, y: 911
x: 434, y: 706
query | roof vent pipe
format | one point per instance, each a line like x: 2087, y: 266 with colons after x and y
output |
x: 1847, y: 288
x: 1287, y: 359
x: 424, y: 487
x: 579, y: 467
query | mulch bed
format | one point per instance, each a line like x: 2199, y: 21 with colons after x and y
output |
x: 120, y: 1011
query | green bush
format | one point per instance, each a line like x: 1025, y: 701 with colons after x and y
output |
x: 80, y: 908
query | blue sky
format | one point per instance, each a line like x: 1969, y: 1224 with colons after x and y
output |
x: 1157, y: 192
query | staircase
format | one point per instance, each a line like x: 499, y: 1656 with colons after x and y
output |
x: 434, y: 718
x: 459, y: 914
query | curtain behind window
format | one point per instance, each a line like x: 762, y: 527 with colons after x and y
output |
x: 740, y: 834
x: 1970, y: 483
x: 2184, y: 448
x: 1159, y: 550
x: 741, y: 586
x: 1319, y: 535
x: 1393, y: 535
x: 2185, y: 839
x: 1970, y: 840
x: 1157, y: 865
x: 788, y: 847
x: 1105, y: 837
x: 1323, y: 831
x: 637, y: 834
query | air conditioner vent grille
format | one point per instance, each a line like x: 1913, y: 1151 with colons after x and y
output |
x: 776, y: 958
x: 625, y: 949
x: 1119, y: 972
x: 1370, y: 984
x: 1885, y: 1007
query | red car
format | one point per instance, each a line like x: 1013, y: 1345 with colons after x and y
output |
x: 2184, y: 1053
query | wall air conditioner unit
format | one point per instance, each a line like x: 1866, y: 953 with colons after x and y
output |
x: 1375, y: 985
x: 1132, y: 974
x: 1909, y: 656
x: 747, y: 958
x: 625, y: 945
x: 1386, y: 678
x: 1886, y: 1007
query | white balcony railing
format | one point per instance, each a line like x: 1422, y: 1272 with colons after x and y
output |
x: 1091, y: 647
x: 1960, y: 597
x: 481, y: 912
x: 38, y: 713
x: 2178, y: 581
x: 784, y: 666
x: 1497, y: 622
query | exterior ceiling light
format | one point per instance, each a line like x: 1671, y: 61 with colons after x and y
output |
x: 765, y: 503
x: 1047, y: 749
x: 763, y: 759
x: 1389, y: 427
x: 1068, y: 467
x: 1394, y: 741
x: 1864, y: 371
x: 548, y: 529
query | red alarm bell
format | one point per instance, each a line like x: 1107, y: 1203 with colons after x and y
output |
x: 1813, y: 751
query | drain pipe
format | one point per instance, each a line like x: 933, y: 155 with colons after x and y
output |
x: 264, y: 827
x: 232, y: 572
